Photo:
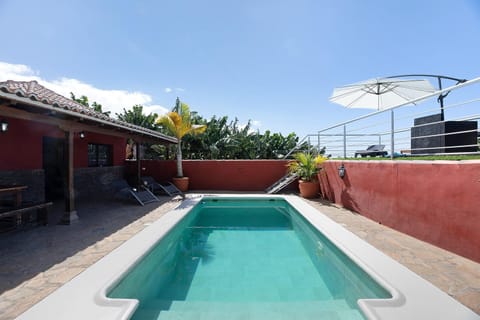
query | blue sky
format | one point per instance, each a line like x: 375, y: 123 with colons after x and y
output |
x: 273, y: 62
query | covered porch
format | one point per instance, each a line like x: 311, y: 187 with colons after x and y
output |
x: 58, y: 149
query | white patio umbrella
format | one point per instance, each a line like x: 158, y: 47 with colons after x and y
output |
x: 381, y: 93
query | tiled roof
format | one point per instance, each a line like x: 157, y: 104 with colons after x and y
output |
x: 36, y: 92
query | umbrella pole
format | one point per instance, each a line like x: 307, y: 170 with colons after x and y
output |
x: 439, y: 78
x: 440, y: 99
x: 378, y: 96
x: 392, y: 135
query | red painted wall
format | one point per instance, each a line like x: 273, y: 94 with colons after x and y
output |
x: 435, y: 201
x: 21, y: 145
x: 81, y: 148
x: 228, y: 175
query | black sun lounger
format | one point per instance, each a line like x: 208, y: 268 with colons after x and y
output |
x: 372, y: 151
x: 124, y: 190
x: 164, y: 187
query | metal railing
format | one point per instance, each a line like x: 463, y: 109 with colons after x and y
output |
x: 407, y: 129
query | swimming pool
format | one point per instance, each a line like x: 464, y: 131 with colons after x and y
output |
x: 86, y: 296
x: 249, y: 258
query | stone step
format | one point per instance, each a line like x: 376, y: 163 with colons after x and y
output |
x: 248, y: 315
x: 281, y: 305
x: 331, y: 309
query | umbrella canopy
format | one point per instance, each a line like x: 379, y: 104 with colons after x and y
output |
x: 381, y: 93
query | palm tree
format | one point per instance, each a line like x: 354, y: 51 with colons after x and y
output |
x: 178, y: 123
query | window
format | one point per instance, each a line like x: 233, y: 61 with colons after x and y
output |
x: 99, y: 155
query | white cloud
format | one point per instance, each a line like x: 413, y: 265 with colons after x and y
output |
x: 256, y: 123
x: 176, y: 90
x: 111, y: 100
x: 19, y: 72
x: 155, y: 108
x: 254, y: 126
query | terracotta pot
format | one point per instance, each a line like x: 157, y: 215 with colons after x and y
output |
x: 181, y: 183
x: 308, y: 189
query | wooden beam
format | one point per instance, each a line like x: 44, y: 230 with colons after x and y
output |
x: 139, y: 165
x: 71, y: 125
x: 65, y: 112
x: 70, y: 214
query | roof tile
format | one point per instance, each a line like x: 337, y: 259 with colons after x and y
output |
x: 36, y: 92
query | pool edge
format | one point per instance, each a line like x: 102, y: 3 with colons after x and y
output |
x: 407, y: 288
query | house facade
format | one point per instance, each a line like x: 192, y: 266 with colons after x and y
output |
x: 59, y: 148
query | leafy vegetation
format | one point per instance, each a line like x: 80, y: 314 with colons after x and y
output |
x: 432, y: 157
x: 306, y: 165
x: 442, y: 157
x: 179, y: 124
x: 136, y: 116
x: 222, y: 138
x: 83, y: 100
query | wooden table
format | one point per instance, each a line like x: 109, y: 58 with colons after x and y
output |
x: 13, y: 190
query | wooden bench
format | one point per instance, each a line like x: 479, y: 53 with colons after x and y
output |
x: 22, y: 213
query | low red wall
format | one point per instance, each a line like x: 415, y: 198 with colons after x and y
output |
x: 228, y: 175
x: 435, y: 201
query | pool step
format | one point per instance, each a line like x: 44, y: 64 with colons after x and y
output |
x: 332, y: 309
x: 229, y: 306
x: 244, y: 315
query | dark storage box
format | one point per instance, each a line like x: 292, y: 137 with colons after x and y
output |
x: 447, y: 138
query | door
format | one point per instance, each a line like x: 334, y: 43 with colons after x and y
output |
x: 54, y: 166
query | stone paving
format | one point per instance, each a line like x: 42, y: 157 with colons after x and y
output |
x: 453, y: 274
x: 35, y: 262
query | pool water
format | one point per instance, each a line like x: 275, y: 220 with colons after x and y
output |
x: 246, y: 259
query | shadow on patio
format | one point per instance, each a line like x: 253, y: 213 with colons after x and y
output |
x: 30, y: 252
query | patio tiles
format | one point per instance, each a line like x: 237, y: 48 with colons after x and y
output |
x: 453, y: 274
x: 37, y: 261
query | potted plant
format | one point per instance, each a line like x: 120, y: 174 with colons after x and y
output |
x: 306, y: 166
x: 178, y: 123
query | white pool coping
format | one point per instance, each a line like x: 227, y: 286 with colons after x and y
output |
x: 84, y: 297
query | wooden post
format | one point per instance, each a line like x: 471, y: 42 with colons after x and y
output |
x: 139, y: 165
x: 70, y: 214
